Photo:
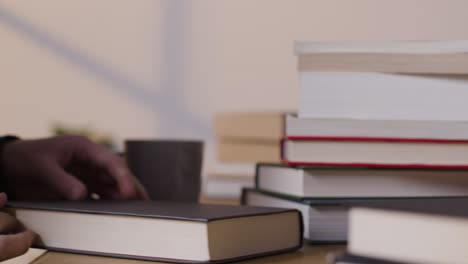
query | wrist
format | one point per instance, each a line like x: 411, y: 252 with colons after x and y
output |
x: 3, y: 142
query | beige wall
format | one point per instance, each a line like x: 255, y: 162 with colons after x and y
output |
x: 163, y: 68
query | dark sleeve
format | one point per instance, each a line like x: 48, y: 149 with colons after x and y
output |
x: 3, y: 141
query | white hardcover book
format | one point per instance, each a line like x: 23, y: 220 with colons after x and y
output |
x: 316, y: 182
x: 391, y: 47
x: 382, y: 96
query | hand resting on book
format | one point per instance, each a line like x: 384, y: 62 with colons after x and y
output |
x: 14, y: 239
x: 66, y: 167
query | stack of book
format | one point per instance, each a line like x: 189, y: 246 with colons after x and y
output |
x: 377, y: 123
x: 243, y: 139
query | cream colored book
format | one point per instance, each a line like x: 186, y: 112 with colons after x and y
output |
x: 232, y: 151
x: 250, y: 125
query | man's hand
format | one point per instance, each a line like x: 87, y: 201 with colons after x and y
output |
x: 67, y: 167
x: 14, y: 240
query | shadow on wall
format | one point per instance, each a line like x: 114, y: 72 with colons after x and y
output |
x: 169, y: 104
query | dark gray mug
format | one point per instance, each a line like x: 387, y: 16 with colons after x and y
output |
x: 169, y: 169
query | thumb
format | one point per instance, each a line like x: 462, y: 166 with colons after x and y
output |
x: 3, y: 199
x: 65, y: 184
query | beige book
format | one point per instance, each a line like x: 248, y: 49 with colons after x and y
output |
x: 411, y: 57
x: 232, y: 151
x: 260, y: 125
x: 398, y: 153
x: 230, y: 176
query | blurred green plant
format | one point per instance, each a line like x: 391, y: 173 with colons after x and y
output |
x: 103, y: 139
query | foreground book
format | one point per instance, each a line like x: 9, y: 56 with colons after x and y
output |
x: 163, y: 231
x: 343, y: 182
x: 432, y: 231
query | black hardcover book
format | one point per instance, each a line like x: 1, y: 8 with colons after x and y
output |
x: 326, y: 219
x: 163, y: 231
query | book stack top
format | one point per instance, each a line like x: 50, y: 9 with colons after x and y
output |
x: 380, y: 104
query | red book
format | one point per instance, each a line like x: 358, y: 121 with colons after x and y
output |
x: 375, y: 152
